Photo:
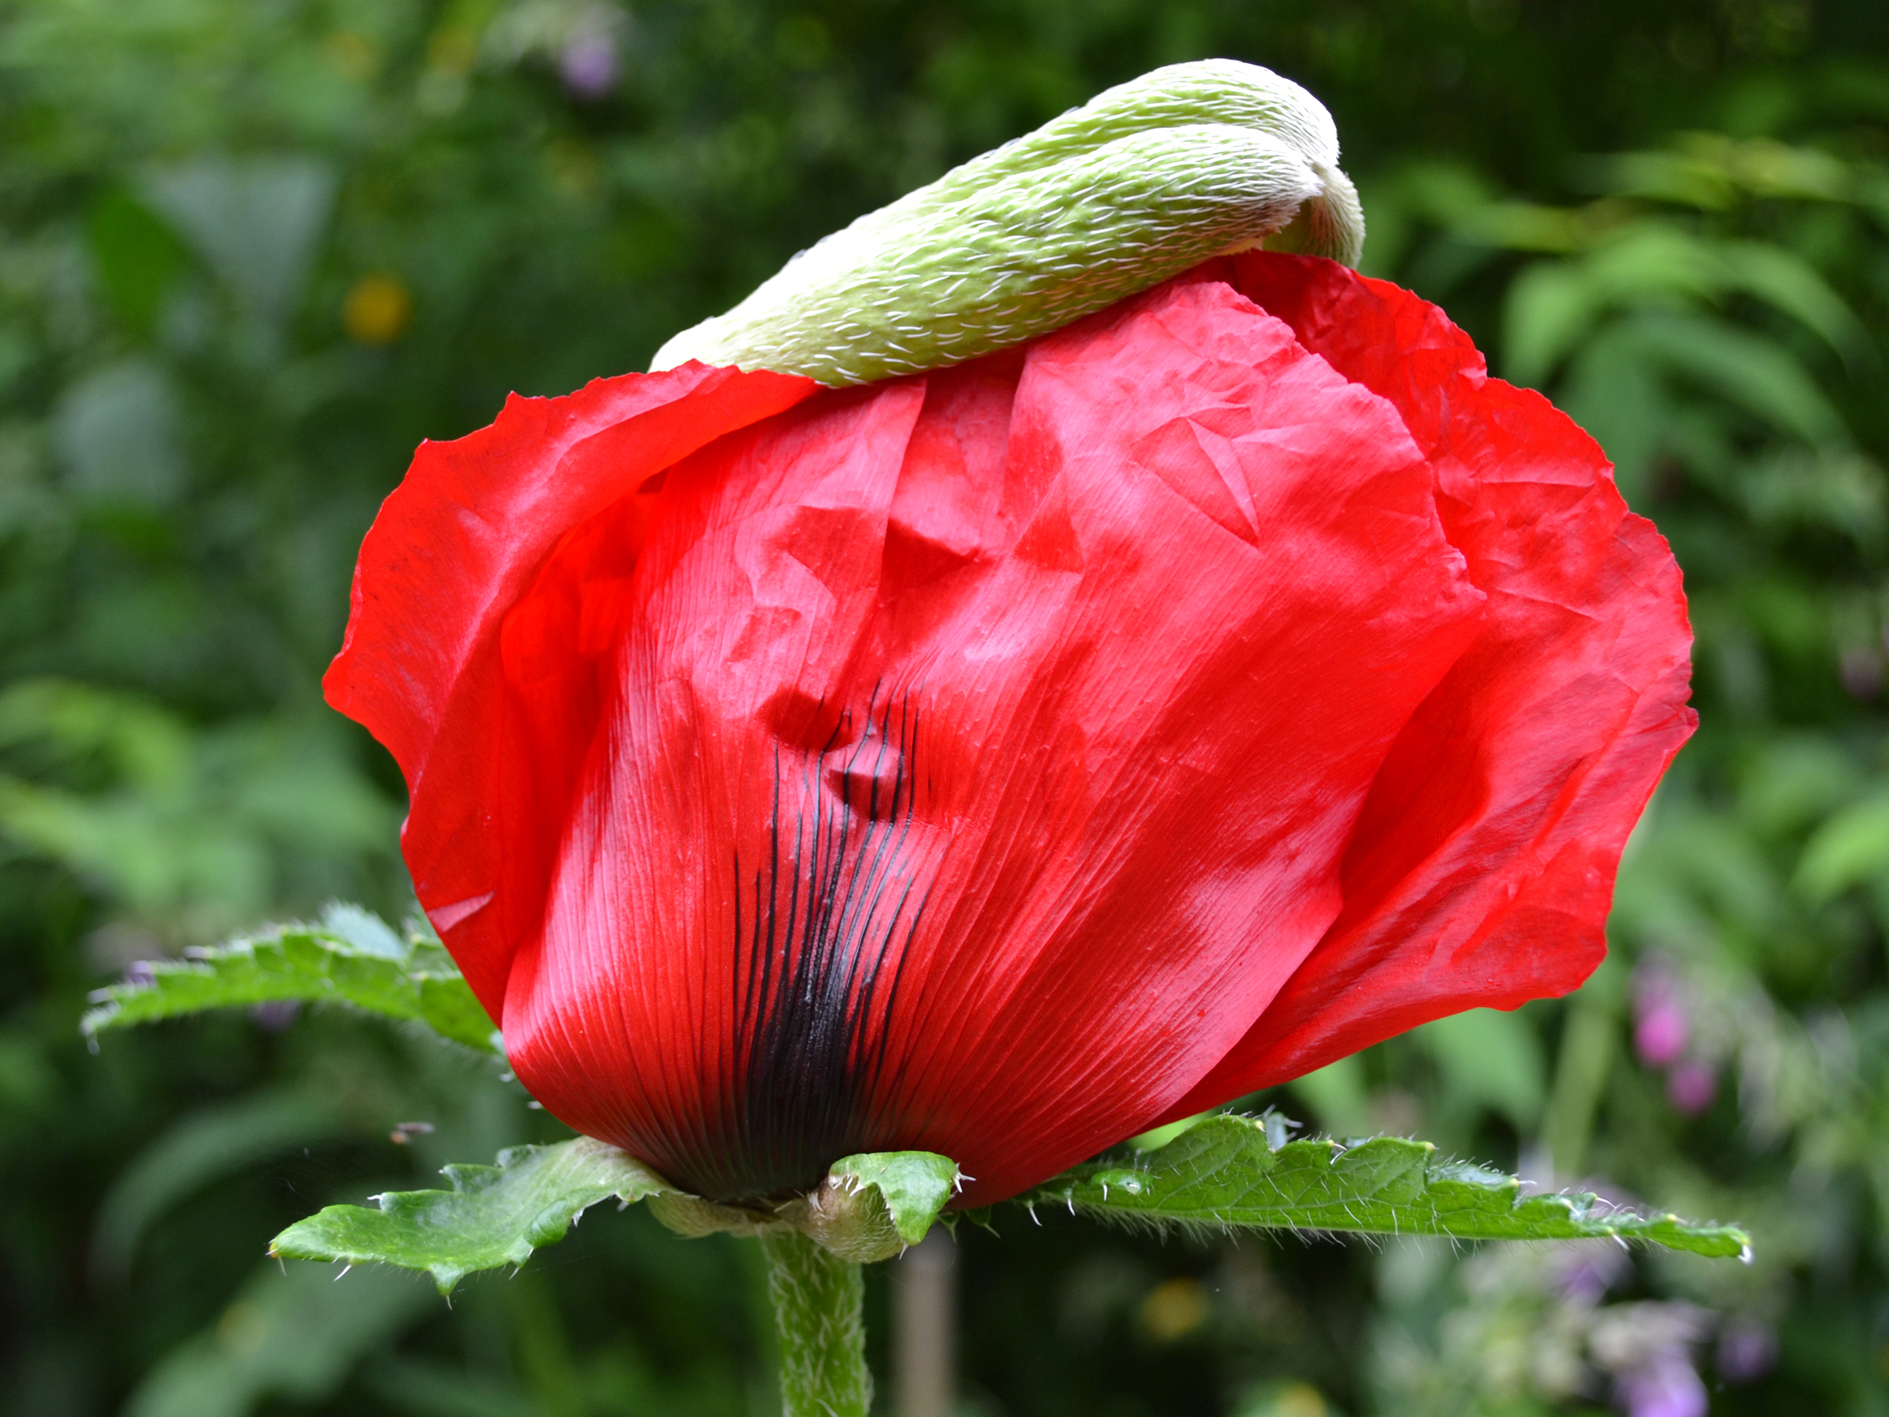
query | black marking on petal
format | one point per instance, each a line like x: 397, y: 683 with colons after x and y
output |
x: 823, y: 928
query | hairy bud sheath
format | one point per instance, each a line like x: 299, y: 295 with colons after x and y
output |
x: 1142, y: 182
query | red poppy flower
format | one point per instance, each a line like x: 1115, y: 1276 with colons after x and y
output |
x: 999, y: 761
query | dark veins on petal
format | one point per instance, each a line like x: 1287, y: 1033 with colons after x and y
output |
x: 822, y: 930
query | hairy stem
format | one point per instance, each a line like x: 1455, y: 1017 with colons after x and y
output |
x: 817, y: 1298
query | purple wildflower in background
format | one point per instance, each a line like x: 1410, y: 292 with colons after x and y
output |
x: 1747, y: 1350
x: 1660, y: 1036
x: 275, y: 1015
x: 1690, y: 1088
x: 1660, y: 1030
x: 1588, y: 1271
x: 589, y: 64
x: 1665, y: 1387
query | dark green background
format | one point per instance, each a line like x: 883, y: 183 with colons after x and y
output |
x: 1674, y: 217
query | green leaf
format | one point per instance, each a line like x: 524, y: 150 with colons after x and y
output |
x: 1222, y: 1173
x: 493, y: 1215
x: 1750, y: 371
x: 136, y: 256
x: 351, y: 957
x: 1552, y: 306
x: 200, y: 1148
x: 292, y: 1336
x: 173, y: 824
x: 257, y: 222
x: 1848, y: 849
x: 913, y: 1186
x: 1788, y: 282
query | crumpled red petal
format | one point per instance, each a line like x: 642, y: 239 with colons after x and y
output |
x: 996, y: 761
x: 1483, y: 868
x: 452, y: 549
x: 1142, y: 611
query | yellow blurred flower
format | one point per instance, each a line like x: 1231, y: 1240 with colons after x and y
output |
x: 1174, y: 1309
x: 378, y: 310
x: 354, y: 57
x: 1295, y: 1399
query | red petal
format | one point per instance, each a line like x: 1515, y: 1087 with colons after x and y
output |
x: 994, y: 762
x: 1482, y: 870
x: 453, y: 547
x: 1134, y: 616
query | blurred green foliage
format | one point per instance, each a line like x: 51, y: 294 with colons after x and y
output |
x: 250, y: 254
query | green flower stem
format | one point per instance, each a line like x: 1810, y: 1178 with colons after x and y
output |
x: 817, y: 1300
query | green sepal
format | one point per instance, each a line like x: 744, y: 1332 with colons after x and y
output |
x: 350, y: 957
x: 1145, y: 180
x: 913, y: 1187
x: 492, y: 1216
x: 869, y: 1207
x: 1221, y: 1173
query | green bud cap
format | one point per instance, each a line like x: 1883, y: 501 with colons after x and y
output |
x: 1143, y: 181
x: 869, y: 1207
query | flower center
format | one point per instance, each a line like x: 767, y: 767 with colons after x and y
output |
x: 823, y: 924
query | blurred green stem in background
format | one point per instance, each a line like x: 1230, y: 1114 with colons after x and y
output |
x: 817, y: 1318
x: 925, y: 1342
x: 1588, y: 1040
x: 544, y: 1348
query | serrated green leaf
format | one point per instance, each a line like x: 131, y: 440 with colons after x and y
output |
x: 914, y: 1186
x: 492, y: 1216
x: 342, y: 960
x: 1222, y: 1173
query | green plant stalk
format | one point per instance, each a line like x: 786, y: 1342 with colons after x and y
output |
x: 1588, y: 1042
x: 817, y: 1301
